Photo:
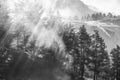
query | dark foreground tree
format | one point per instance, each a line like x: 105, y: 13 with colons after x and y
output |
x: 98, y: 59
x: 77, y: 44
x: 83, y: 49
x: 116, y: 62
x: 70, y: 41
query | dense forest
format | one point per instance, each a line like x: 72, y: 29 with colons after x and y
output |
x: 57, y: 40
x: 85, y: 57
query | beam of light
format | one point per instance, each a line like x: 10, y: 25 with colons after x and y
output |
x: 104, y: 31
x: 101, y: 26
x: 37, y: 18
x: 66, y: 13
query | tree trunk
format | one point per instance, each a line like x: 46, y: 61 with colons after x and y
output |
x: 94, y: 77
x: 82, y: 64
x: 95, y: 74
x: 82, y: 72
x: 117, y: 75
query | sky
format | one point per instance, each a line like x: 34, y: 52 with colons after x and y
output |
x: 106, y: 6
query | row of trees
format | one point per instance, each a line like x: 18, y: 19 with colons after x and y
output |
x: 90, y: 56
x: 99, y: 16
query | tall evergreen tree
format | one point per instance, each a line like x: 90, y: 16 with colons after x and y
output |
x: 70, y: 41
x: 77, y: 44
x: 98, y: 59
x: 116, y: 62
x: 83, y: 49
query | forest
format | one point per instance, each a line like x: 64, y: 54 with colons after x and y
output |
x: 85, y: 57
x: 51, y: 40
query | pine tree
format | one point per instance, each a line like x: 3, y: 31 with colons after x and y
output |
x: 70, y: 41
x: 83, y: 48
x: 98, y: 59
x: 77, y: 44
x: 116, y: 62
x: 5, y: 57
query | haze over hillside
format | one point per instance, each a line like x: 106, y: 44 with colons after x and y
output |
x: 64, y: 8
x: 57, y: 40
x: 76, y: 8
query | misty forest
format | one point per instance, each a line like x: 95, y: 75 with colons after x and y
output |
x: 58, y: 40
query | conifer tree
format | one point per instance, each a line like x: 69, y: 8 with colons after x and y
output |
x: 77, y: 44
x: 116, y: 62
x: 98, y: 59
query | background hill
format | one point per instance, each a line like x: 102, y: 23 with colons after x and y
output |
x: 76, y: 10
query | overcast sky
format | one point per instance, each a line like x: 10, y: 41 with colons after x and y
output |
x: 112, y: 6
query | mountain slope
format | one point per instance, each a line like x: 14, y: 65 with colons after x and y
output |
x: 76, y: 7
x: 29, y: 12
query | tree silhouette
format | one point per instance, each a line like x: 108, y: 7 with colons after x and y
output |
x: 98, y: 59
x: 77, y: 44
x: 116, y: 62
